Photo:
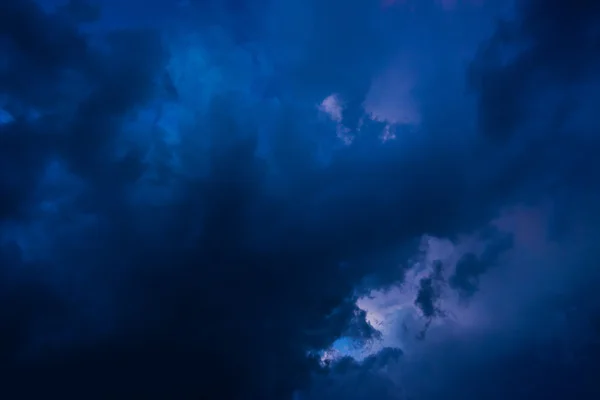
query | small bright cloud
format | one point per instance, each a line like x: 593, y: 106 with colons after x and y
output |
x: 333, y: 107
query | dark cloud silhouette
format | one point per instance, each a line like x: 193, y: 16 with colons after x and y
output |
x: 179, y: 319
x: 429, y: 292
x: 81, y: 11
x: 470, y: 267
x: 152, y: 244
x: 548, y: 46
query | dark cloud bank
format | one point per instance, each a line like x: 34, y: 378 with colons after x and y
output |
x: 207, y: 269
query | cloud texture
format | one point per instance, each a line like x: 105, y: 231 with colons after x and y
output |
x: 299, y: 199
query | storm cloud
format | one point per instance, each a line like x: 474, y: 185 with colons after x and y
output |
x: 204, y: 199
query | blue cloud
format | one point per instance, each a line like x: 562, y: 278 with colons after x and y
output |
x: 196, y: 199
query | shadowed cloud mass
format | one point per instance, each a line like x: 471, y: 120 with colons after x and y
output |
x: 299, y: 199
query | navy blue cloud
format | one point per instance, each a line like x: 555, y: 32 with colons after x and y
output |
x: 219, y: 254
x: 471, y: 266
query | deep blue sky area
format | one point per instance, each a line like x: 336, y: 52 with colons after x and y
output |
x: 300, y: 199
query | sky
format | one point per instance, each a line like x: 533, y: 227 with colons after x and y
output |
x: 299, y: 199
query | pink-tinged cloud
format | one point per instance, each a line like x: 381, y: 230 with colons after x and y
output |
x: 333, y: 107
x: 528, y: 225
x: 394, y: 313
x: 390, y: 97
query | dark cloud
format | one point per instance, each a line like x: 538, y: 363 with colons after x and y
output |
x: 428, y: 300
x: 137, y: 263
x: 182, y: 314
x: 81, y: 11
x: 429, y: 297
x: 429, y: 292
x: 470, y: 267
x: 548, y: 46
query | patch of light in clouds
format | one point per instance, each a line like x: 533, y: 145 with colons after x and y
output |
x: 399, y: 320
x: 390, y: 97
x: 333, y: 107
x: 5, y: 117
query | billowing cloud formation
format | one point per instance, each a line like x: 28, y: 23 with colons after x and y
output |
x: 179, y: 218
